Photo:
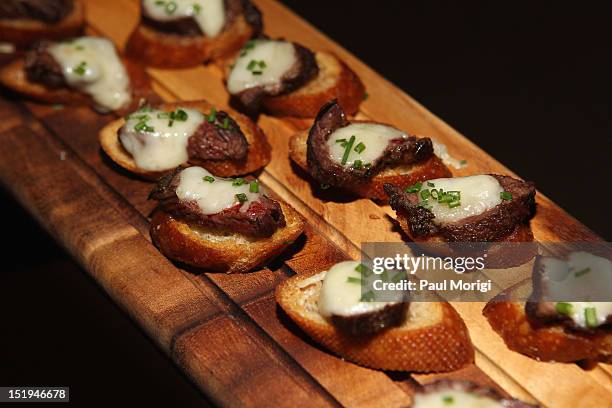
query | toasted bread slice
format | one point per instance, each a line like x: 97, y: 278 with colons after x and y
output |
x: 14, y: 77
x: 163, y: 50
x: 546, y: 342
x: 215, y: 251
x: 433, y: 337
x: 257, y: 157
x: 335, y: 80
x: 23, y: 32
x: 403, y: 176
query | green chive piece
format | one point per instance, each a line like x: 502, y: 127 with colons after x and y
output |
x: 242, y: 198
x: 425, y: 194
x: 582, y: 272
x: 238, y: 182
x: 257, y: 72
x: 226, y: 123
x: 448, y: 399
x: 366, y: 96
x: 505, y: 195
x: 414, y: 188
x: 160, y: 2
x: 563, y: 308
x: 455, y: 203
x: 262, y: 64
x: 347, y: 150
x: 210, y: 179
x: 340, y: 140
x: 197, y: 8
x: 181, y: 115
x: 254, y: 187
x: 463, y: 162
x: 445, y: 198
x: 351, y: 279
x: 79, y: 47
x: 252, y: 65
x: 363, y: 270
x: 401, y: 275
x: 357, y: 164
x: 430, y: 184
x: 590, y: 316
x: 368, y: 296
x: 81, y: 68
x: 213, y: 115
x: 360, y: 148
x: 171, y: 7
x: 434, y: 194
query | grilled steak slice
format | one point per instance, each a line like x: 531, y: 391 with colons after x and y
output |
x: 221, y: 139
x: 325, y: 170
x: 41, y: 67
x: 304, y: 69
x: 261, y: 219
x: 492, y: 225
x: 365, y: 324
x: 48, y: 11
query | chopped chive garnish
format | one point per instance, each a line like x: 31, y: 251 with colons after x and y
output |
x: 351, y: 279
x: 254, y: 187
x: 366, y: 96
x: 181, y: 115
x: 368, y: 296
x: 252, y: 65
x: 430, y: 184
x: 197, y: 8
x: 363, y: 270
x: 582, y: 272
x: 463, y: 162
x: 242, y: 198
x: 434, y: 194
x: 505, y: 195
x: 238, y: 182
x: 590, y: 316
x: 455, y: 203
x: 425, y: 194
x: 360, y: 148
x: 340, y: 140
x: 159, y: 2
x: 256, y: 67
x: 226, y: 123
x: 257, y: 72
x: 79, y: 47
x: 143, y: 127
x: 213, y: 115
x: 347, y: 149
x: 210, y: 179
x: 448, y: 399
x: 170, y: 7
x: 357, y: 164
x: 80, y: 69
x: 248, y: 46
x: 563, y: 308
x: 398, y: 276
x: 446, y: 198
x: 414, y: 188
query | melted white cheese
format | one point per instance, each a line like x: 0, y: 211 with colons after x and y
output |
x: 478, y: 194
x: 441, y: 151
x: 212, y: 197
x: 261, y: 63
x: 163, y: 146
x: 208, y: 14
x: 340, y: 297
x: 373, y: 136
x: 455, y: 399
x: 583, y: 275
x: 91, y: 64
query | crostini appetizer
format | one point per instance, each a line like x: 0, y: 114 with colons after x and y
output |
x: 462, y: 394
x: 80, y: 71
x: 151, y: 142
x: 22, y: 22
x: 480, y: 208
x: 186, y: 33
x: 219, y: 224
x: 401, y: 335
x: 553, y: 325
x: 362, y: 156
x: 288, y: 79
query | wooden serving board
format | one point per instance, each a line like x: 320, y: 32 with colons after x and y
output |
x: 225, y: 331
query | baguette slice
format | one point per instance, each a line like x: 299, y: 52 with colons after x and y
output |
x: 257, y: 157
x: 335, y: 80
x: 13, y: 76
x: 163, y: 50
x: 23, y: 32
x: 215, y: 251
x: 546, y: 342
x: 433, y: 338
x: 403, y: 176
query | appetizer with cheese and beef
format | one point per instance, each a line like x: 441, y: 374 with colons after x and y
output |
x: 84, y: 70
x: 557, y: 323
x: 186, y: 33
x: 153, y: 141
x: 288, y: 79
x: 362, y: 156
x: 396, y: 335
x: 462, y: 394
x: 22, y: 22
x: 220, y: 224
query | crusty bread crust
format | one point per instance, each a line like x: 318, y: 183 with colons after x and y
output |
x: 258, y: 155
x: 546, y: 342
x: 214, y: 251
x: 433, y: 338
x: 403, y: 176
x: 335, y: 80
x: 23, y: 32
x: 165, y: 50
x: 14, y: 77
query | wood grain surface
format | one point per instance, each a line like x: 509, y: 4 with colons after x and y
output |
x: 226, y: 331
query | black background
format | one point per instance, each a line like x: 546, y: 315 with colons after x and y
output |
x: 529, y: 83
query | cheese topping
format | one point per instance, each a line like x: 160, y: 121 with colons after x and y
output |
x: 477, y: 195
x: 261, y: 63
x: 369, y: 141
x: 213, y: 194
x: 157, y: 140
x: 441, y: 151
x: 208, y: 14
x: 91, y: 64
x: 582, y: 276
x: 341, y: 292
x: 455, y: 399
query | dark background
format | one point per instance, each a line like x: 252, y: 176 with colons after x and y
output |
x: 529, y: 83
